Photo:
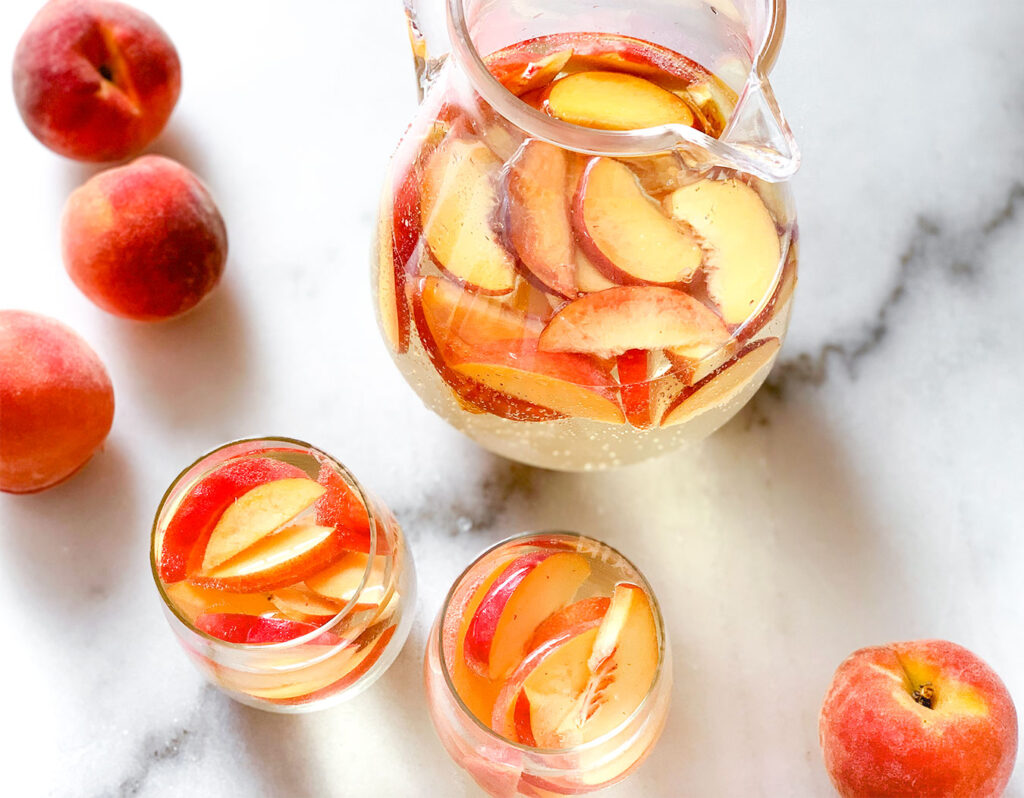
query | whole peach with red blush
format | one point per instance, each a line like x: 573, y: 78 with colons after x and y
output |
x: 144, y: 241
x: 56, y: 402
x: 924, y: 719
x: 95, y: 80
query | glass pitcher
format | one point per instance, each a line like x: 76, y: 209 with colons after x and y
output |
x: 586, y: 248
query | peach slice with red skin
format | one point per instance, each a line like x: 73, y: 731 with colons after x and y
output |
x: 477, y: 692
x: 617, y: 320
x: 256, y: 514
x: 564, y: 382
x: 622, y: 665
x: 545, y: 682
x: 636, y: 390
x: 441, y: 310
x: 539, y: 226
x: 341, y: 581
x: 202, y: 507
x: 624, y: 232
x: 528, y: 590
x: 341, y: 507
x: 299, y: 603
x: 192, y: 601
x: 458, y: 204
x: 740, y: 239
x: 519, y: 73
x: 615, y: 101
x: 279, y: 560
x: 721, y: 386
x: 252, y: 629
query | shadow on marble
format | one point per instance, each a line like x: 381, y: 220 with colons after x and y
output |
x: 194, y: 371
x: 63, y: 554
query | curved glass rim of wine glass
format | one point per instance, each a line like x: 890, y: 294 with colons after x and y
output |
x: 611, y: 733
x: 593, y: 141
x: 344, y: 612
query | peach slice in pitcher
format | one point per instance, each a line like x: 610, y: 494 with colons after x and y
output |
x: 519, y: 76
x: 717, y: 389
x: 742, y: 243
x: 624, y: 232
x: 615, y: 101
x: 620, y: 319
x: 563, y: 382
x: 451, y: 312
x: 458, y: 202
x: 538, y: 216
x: 528, y: 590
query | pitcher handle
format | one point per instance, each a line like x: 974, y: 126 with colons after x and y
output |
x: 428, y: 40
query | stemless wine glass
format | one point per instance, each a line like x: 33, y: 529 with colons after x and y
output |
x: 488, y: 726
x: 288, y: 585
x: 569, y: 289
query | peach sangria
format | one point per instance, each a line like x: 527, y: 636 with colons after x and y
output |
x: 547, y: 670
x: 570, y: 307
x: 289, y: 586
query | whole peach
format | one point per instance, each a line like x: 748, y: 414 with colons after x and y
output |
x: 95, y: 80
x: 56, y: 402
x: 144, y: 241
x: 925, y: 719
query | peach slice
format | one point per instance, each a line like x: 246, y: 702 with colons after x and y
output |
x: 625, y: 234
x: 451, y: 312
x: 394, y: 314
x: 477, y: 692
x: 742, y: 244
x: 750, y: 365
x: 589, y: 278
x: 194, y: 601
x: 275, y: 561
x: 636, y: 390
x: 458, y: 204
x: 366, y: 653
x: 579, y: 613
x: 519, y: 76
x: 620, y: 319
x: 782, y: 295
x: 564, y: 382
x: 615, y: 101
x: 539, y: 226
x: 258, y: 513
x: 299, y: 603
x: 529, y: 589
x: 251, y: 629
x: 544, y: 684
x: 622, y: 664
x: 340, y: 582
x: 471, y: 395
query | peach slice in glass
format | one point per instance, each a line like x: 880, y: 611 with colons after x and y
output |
x: 620, y: 319
x: 615, y: 101
x: 622, y: 666
x: 458, y: 202
x: 528, y: 590
x: 275, y: 561
x: 719, y: 388
x: 299, y: 603
x: 742, y: 243
x: 624, y: 232
x: 194, y: 601
x: 341, y: 581
x: 538, y: 216
x: 257, y: 514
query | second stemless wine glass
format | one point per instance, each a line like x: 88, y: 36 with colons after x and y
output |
x: 289, y: 586
x: 548, y: 671
x: 586, y: 243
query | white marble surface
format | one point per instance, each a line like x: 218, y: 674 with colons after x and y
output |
x: 872, y: 493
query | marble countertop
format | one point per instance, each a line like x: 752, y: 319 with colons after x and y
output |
x: 871, y: 491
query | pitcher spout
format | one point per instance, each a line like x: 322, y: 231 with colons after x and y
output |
x: 758, y: 135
